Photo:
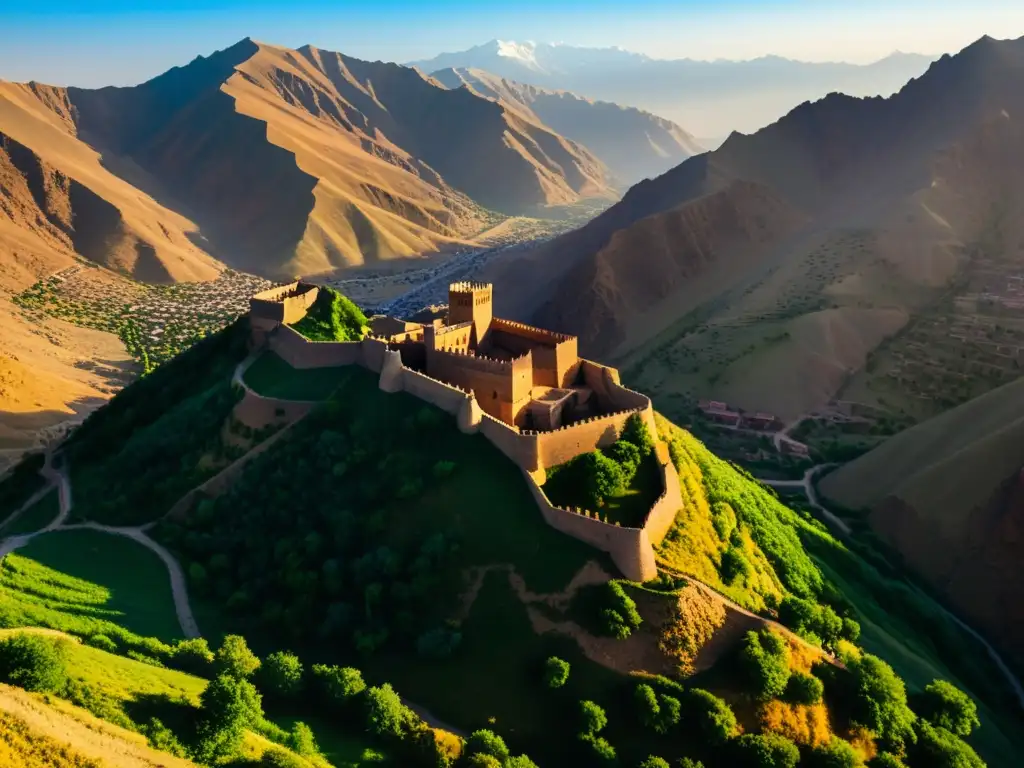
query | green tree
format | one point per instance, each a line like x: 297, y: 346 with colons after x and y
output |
x: 764, y: 660
x: 386, y: 715
x: 946, y: 706
x: 598, y: 749
x: 653, y: 761
x: 193, y: 655
x: 880, y: 701
x: 280, y: 675
x: 712, y: 715
x: 659, y: 712
x: 635, y: 431
x: 34, y: 662
x: 886, y: 760
x: 804, y: 689
x: 520, y: 761
x: 485, y: 742
x: 627, y: 456
x: 938, y: 748
x: 603, y: 478
x: 556, y: 672
x: 235, y: 659
x: 835, y: 754
x: 766, y: 750
x: 302, y: 741
x: 338, y: 686
x: 275, y: 757
x: 227, y: 705
x: 592, y: 718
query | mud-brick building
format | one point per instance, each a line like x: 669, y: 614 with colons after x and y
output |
x: 524, y: 376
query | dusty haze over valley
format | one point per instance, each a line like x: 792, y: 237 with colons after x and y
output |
x: 393, y: 386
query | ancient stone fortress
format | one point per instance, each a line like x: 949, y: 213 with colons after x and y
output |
x: 524, y: 388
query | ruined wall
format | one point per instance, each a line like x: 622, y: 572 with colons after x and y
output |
x: 630, y: 548
x: 444, y: 396
x: 300, y: 352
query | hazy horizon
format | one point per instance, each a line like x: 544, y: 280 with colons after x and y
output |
x: 115, y: 43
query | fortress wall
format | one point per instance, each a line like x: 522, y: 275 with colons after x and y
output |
x: 414, y: 354
x: 444, y: 396
x: 567, y: 362
x: 630, y: 548
x: 284, y: 304
x: 296, y: 307
x: 518, y: 448
x: 300, y: 352
x: 663, y: 511
x: 373, y: 354
x: 554, y: 448
x: 612, y: 396
x: 455, y: 337
x: 530, y: 332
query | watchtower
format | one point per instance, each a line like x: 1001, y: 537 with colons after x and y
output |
x: 471, y: 302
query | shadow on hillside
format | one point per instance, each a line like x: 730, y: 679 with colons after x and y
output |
x: 177, y: 714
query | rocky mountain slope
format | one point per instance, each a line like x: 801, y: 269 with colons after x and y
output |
x: 633, y: 144
x: 948, y: 494
x: 710, y: 98
x: 840, y: 227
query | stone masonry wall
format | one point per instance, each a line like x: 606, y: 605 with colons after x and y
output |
x: 554, y: 448
x: 663, y: 512
x: 446, y: 397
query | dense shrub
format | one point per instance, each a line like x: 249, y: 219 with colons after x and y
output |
x: 621, y: 617
x: 835, y: 754
x: 653, y: 761
x: 627, y: 456
x: 735, y: 566
x: 234, y: 658
x: 280, y: 675
x: 712, y: 715
x: 592, y: 718
x: 485, y: 742
x: 386, y: 716
x: 689, y: 762
x: 33, y: 662
x: 886, y: 760
x: 635, y: 431
x: 162, y: 738
x: 659, y: 712
x: 481, y: 760
x: 228, y: 705
x: 520, y: 761
x: 332, y: 317
x: 102, y: 642
x: 275, y: 757
x: 804, y: 689
x: 598, y: 750
x: 851, y: 629
x: 764, y: 662
x: 766, y: 750
x: 880, y: 701
x: 938, y: 748
x: 810, y: 619
x: 193, y: 655
x: 337, y: 686
x: 302, y: 741
x: 946, y: 706
x: 556, y: 672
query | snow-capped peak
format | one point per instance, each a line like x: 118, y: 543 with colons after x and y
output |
x: 525, y: 53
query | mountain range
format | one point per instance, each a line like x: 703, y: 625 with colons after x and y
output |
x: 709, y: 98
x: 864, y: 250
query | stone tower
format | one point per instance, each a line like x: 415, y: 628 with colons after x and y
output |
x: 471, y: 302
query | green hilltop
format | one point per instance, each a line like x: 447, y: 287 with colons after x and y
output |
x: 373, y: 535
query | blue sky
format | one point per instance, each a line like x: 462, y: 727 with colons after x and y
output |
x: 116, y: 42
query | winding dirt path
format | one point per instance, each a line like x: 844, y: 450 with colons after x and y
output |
x: 179, y: 590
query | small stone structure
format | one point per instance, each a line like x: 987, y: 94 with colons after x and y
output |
x: 525, y: 389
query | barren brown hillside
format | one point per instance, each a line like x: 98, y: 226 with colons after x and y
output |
x: 633, y: 144
x: 300, y: 162
x: 908, y: 204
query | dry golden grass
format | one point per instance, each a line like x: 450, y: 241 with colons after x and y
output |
x: 695, y: 619
x: 804, y: 725
x: 22, y: 746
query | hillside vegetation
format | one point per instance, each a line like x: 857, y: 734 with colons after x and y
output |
x: 376, y: 536
x: 333, y: 317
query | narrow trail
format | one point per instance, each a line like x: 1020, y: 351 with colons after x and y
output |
x: 59, y: 477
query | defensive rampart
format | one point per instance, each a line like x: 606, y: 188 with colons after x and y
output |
x: 285, y: 303
x: 300, y: 352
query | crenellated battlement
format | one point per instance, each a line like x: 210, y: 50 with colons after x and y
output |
x: 604, y: 417
x: 470, y: 359
x: 469, y: 286
x: 530, y: 331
